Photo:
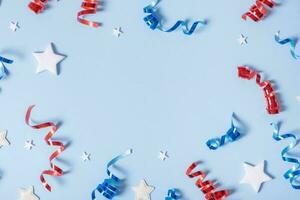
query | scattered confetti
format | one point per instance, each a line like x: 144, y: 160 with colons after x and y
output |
x: 3, y: 139
x: 29, y: 145
x: 85, y: 156
x: 14, y: 26
x: 143, y: 191
x: 28, y: 194
x: 173, y: 194
x: 257, y: 12
x: 242, y: 39
x: 89, y: 7
x: 117, y: 32
x: 292, y: 43
x: 163, y: 155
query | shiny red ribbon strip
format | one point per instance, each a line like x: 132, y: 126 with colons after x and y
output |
x: 89, y: 7
x: 37, y: 6
x: 56, y: 171
x: 272, y: 102
x: 207, y: 187
x: 258, y: 11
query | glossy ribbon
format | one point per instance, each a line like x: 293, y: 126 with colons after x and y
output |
x: 154, y: 21
x: 37, y: 6
x: 258, y: 11
x: 207, y: 187
x: 272, y: 102
x: 3, y: 71
x: 111, y: 186
x: 55, y: 170
x: 292, y: 174
x: 173, y: 194
x: 292, y: 43
x: 231, y: 135
x: 89, y: 7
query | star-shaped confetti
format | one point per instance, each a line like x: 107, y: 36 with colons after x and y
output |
x: 255, y: 175
x: 28, y: 144
x: 298, y: 98
x: 117, y: 32
x: 242, y: 39
x: 14, y: 26
x: 28, y: 194
x: 3, y: 139
x: 143, y: 191
x: 85, y: 156
x: 163, y: 155
x: 48, y: 60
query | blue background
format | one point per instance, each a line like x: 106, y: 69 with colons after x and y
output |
x: 149, y: 91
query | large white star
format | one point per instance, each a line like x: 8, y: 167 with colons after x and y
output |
x: 3, y: 139
x: 255, y: 175
x: 48, y: 60
x: 142, y: 191
x: 28, y: 194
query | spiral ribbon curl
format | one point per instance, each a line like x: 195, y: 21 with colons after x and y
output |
x: 173, y: 194
x: 111, y: 186
x: 154, y: 21
x: 37, y: 6
x: 272, y: 102
x: 231, y: 135
x: 285, y: 41
x: 89, y: 7
x: 257, y: 12
x: 292, y: 174
x: 207, y: 187
x: 3, y: 71
x: 55, y: 170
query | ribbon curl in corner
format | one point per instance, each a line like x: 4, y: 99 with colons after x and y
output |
x: 257, y: 12
x: 173, y: 194
x: 285, y: 41
x: 3, y: 70
x: 37, y: 6
x: 89, y: 7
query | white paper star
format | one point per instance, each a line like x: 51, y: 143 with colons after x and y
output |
x: 142, y: 191
x: 28, y: 194
x: 117, y: 31
x: 242, y: 39
x: 298, y: 98
x: 14, y: 26
x: 48, y: 60
x: 255, y: 175
x: 85, y: 156
x: 3, y: 139
x: 163, y: 155
x: 28, y: 144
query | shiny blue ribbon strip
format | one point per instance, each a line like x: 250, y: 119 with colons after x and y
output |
x: 294, y: 173
x: 3, y: 70
x: 231, y: 135
x: 111, y: 186
x: 173, y: 194
x: 154, y: 22
x: 285, y: 41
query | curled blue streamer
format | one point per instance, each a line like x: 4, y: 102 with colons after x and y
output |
x: 3, y: 70
x: 285, y: 41
x: 173, y: 194
x: 154, y: 22
x: 294, y: 173
x: 231, y: 135
x: 111, y: 186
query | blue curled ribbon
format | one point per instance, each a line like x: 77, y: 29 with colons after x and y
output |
x: 294, y: 173
x: 154, y: 21
x: 3, y: 70
x: 285, y: 41
x: 111, y: 186
x: 173, y: 194
x: 231, y: 135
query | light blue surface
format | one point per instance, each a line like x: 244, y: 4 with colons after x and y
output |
x: 149, y: 91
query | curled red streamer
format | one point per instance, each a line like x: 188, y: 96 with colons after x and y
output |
x: 207, y: 187
x: 55, y: 170
x: 258, y: 11
x: 89, y: 7
x: 272, y: 103
x: 37, y: 6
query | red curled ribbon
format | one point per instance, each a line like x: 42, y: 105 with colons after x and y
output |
x: 207, y: 187
x: 89, y: 7
x: 258, y: 11
x: 37, y: 6
x: 272, y: 103
x: 56, y: 171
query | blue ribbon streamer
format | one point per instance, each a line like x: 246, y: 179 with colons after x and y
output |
x: 231, y: 135
x: 3, y: 70
x: 173, y: 194
x: 285, y: 41
x: 111, y: 186
x: 154, y: 21
x: 294, y: 173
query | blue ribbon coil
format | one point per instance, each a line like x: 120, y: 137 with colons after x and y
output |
x: 3, y: 70
x: 285, y: 41
x: 173, y: 194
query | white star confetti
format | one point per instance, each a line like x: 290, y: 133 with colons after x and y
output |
x: 163, y: 155
x: 117, y: 32
x: 48, y: 60
x: 85, y: 156
x: 143, y: 191
x: 242, y: 39
x: 255, y: 175
x: 14, y: 26
x: 29, y: 145
x: 298, y: 98
x: 28, y: 194
x: 3, y: 139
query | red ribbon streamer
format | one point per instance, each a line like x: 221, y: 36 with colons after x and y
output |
x: 272, y: 103
x: 56, y: 171
x: 207, y: 187
x: 258, y: 11
x: 89, y: 7
x: 37, y: 6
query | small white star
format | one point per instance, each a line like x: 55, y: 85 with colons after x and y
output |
x: 142, y: 191
x: 242, y: 39
x: 117, y: 32
x: 28, y: 144
x: 14, y: 26
x: 298, y: 98
x: 255, y: 175
x: 85, y: 156
x: 3, y: 139
x: 28, y: 194
x: 163, y: 155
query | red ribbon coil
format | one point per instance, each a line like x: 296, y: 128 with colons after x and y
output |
x: 56, y: 171
x: 272, y: 103
x: 89, y: 7
x: 37, y: 6
x: 207, y: 187
x: 258, y: 11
